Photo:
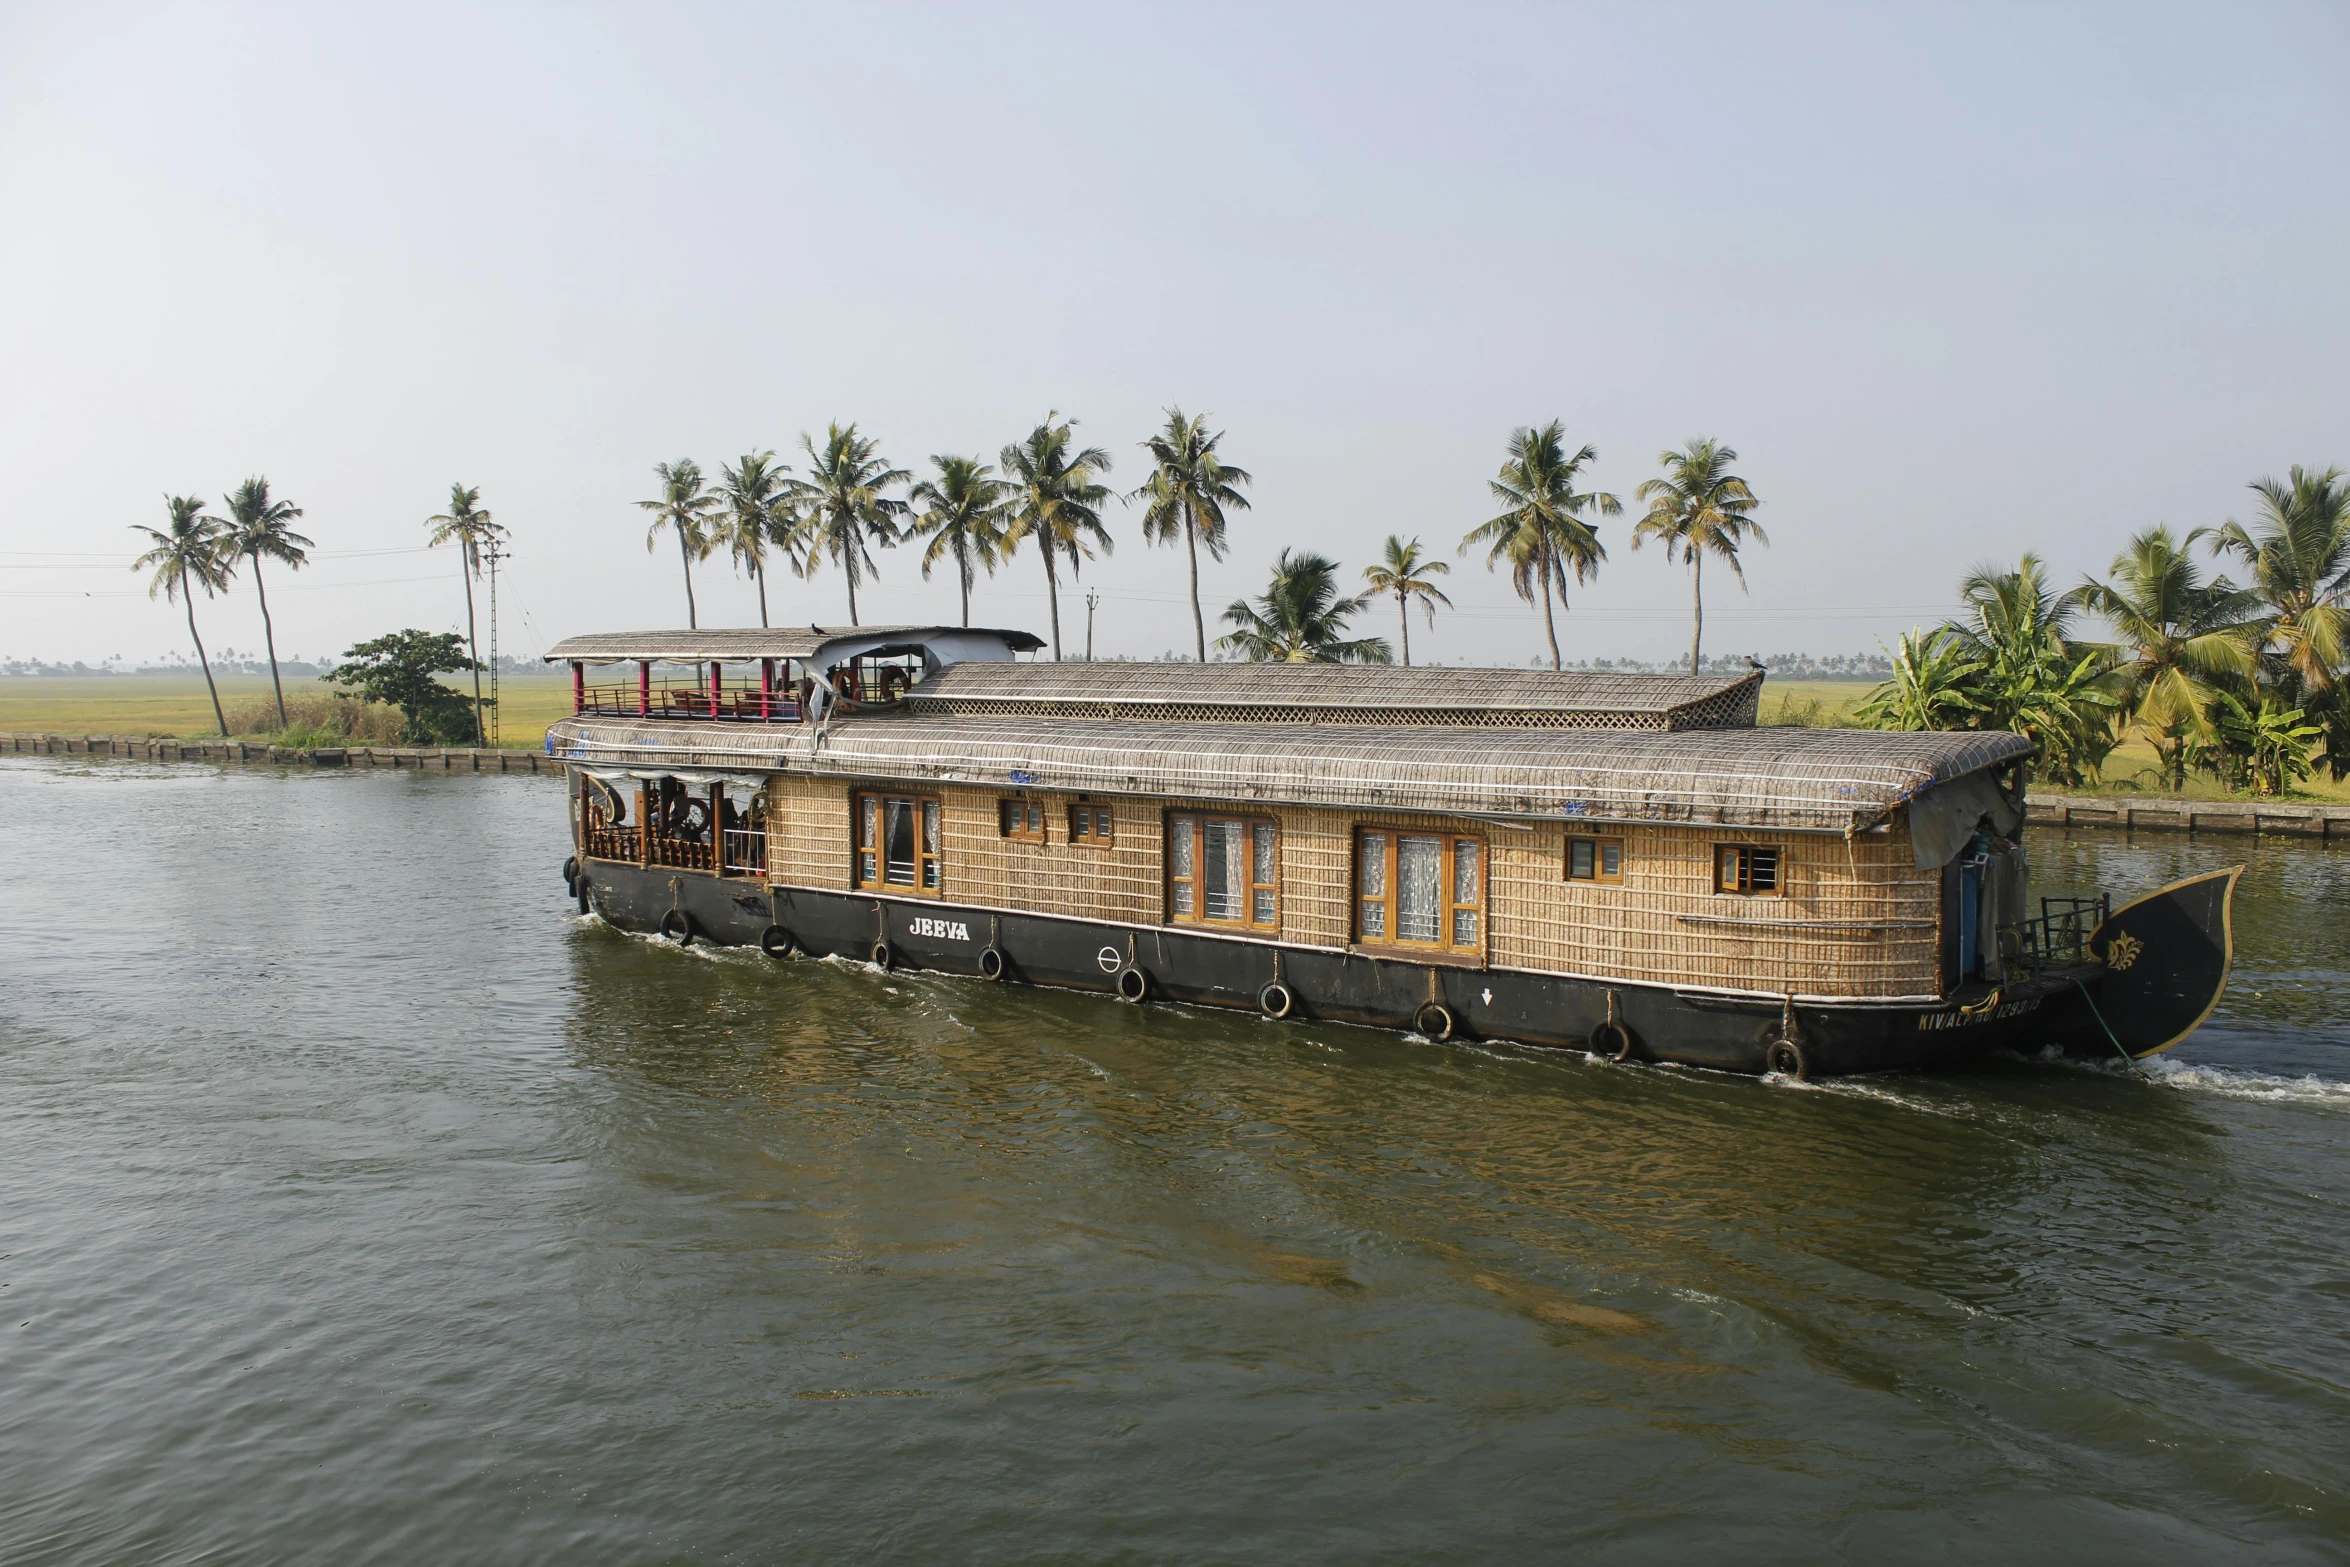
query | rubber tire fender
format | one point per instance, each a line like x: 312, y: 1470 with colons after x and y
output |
x: 776, y: 942
x: 883, y: 956
x: 1787, y: 1058
x: 1134, y: 983
x: 1434, y: 1019
x: 991, y: 963
x: 1621, y: 1048
x: 571, y: 873
x: 678, y: 926
x: 579, y: 890
x: 1276, y: 1000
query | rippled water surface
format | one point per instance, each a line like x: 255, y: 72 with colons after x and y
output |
x: 359, y: 1203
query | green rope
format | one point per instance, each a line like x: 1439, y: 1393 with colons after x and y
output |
x: 2130, y: 1060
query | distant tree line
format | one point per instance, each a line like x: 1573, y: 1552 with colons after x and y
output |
x: 2244, y: 683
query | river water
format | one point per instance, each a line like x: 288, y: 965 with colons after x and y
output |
x: 359, y: 1203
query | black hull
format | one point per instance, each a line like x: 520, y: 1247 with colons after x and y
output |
x: 1725, y: 1033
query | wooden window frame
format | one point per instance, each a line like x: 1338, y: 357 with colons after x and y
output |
x: 1600, y: 875
x: 1093, y: 812
x: 1448, y: 909
x: 1198, y: 914
x: 925, y: 859
x: 1740, y: 883
x: 1029, y: 811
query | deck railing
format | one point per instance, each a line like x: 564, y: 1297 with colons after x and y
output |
x: 607, y: 842
x: 2059, y: 938
x: 680, y: 853
x: 745, y: 852
x: 670, y: 699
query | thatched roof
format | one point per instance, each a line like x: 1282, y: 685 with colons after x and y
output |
x: 1808, y: 780
x: 1343, y: 694
x: 744, y: 644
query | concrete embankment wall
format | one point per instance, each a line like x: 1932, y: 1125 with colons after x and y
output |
x: 448, y: 759
x: 2174, y: 815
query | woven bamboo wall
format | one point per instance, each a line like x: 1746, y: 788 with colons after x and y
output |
x: 808, y: 832
x: 1656, y: 927
x: 1659, y: 924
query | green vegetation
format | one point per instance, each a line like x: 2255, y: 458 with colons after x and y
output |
x: 1301, y: 619
x: 1408, y: 574
x: 1187, y: 493
x: 1541, y: 531
x: 685, y: 503
x: 398, y: 670
x: 752, y: 515
x: 475, y: 534
x: 1699, y: 508
x: 2243, y: 685
x: 963, y: 517
x: 840, y: 508
x: 259, y: 526
x: 189, y: 552
x: 1057, y: 497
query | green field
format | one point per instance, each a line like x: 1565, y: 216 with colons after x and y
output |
x: 177, y: 704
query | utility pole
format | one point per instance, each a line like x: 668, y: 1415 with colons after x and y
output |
x: 1091, y: 599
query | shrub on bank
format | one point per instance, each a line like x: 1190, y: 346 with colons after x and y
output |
x: 315, y: 718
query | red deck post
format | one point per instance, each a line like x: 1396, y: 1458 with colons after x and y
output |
x: 713, y: 688
x: 644, y: 686
x: 766, y: 690
x: 718, y: 828
x: 578, y: 688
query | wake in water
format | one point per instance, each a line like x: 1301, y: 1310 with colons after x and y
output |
x: 2203, y: 1077
x: 2238, y: 1083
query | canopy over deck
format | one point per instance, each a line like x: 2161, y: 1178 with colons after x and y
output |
x: 1343, y: 694
x: 807, y: 644
x: 1790, y: 779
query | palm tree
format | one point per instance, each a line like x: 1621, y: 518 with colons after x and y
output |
x: 1699, y: 508
x: 2181, y: 641
x: 1408, y: 574
x: 685, y: 504
x: 841, y: 505
x: 1056, y: 500
x: 1186, y: 494
x: 474, y: 533
x: 2031, y: 676
x: 2300, y: 565
x: 1541, y: 531
x: 963, y: 517
x: 259, y: 526
x: 192, y: 554
x: 1300, y: 619
x: 752, y: 515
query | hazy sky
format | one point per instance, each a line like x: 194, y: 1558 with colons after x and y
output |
x: 1956, y: 281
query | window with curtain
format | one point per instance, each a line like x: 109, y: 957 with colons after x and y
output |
x: 1223, y: 870
x: 897, y: 845
x: 1420, y: 890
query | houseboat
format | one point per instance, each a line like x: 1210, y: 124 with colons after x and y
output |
x: 1615, y: 863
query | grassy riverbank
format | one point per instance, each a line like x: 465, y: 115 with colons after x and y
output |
x: 177, y: 704
x: 2127, y: 771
